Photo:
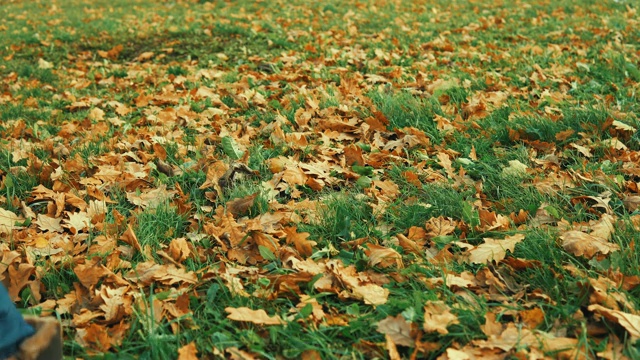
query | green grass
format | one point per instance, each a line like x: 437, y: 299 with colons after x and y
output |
x: 381, y: 75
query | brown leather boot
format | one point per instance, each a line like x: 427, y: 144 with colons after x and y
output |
x: 45, y: 344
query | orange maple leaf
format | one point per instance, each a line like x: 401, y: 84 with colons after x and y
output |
x: 300, y: 241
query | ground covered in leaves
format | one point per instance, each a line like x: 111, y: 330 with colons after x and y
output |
x: 281, y: 179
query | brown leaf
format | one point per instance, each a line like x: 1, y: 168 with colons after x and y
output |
x: 90, y: 273
x: 300, y: 241
x: 240, y: 206
x: 398, y: 329
x: 508, y: 339
x: 188, y: 352
x: 463, y: 280
x: 489, y: 220
x: 409, y: 245
x: 77, y: 222
x: 491, y: 327
x: 173, y: 275
x: 113, y: 53
x: 294, y: 176
x: 310, y: 355
x: 117, y: 303
x: 317, y: 313
x: 564, y: 135
x: 532, y: 318
x: 148, y: 55
x: 437, y: 317
x: 95, y: 337
x: 631, y: 202
x: 561, y: 347
x: 353, y: 155
x: 585, y: 151
x: 8, y: 221
x: 84, y: 317
x: 372, y: 294
x: 233, y: 353
x: 179, y: 249
x: 265, y: 240
x: 18, y: 279
x: 164, y: 168
x: 494, y: 250
x: 258, y: 317
x: 96, y: 114
x: 75, y: 201
x: 235, y: 172
x: 519, y: 218
x: 228, y: 228
x: 151, y: 199
x: 383, y: 256
x: 595, y: 202
x: 630, y: 322
x: 130, y: 238
x: 47, y: 223
x: 440, y: 226
x: 145, y: 272
x: 582, y: 244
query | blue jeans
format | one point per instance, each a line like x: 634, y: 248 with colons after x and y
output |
x: 13, y: 328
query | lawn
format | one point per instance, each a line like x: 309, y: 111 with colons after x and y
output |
x: 324, y: 180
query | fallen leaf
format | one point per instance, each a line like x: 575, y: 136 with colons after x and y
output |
x: 437, y: 317
x: 494, y: 250
x: 188, y: 352
x: 90, y: 273
x: 398, y: 329
x: 43, y: 64
x: 258, y: 317
x: 440, y: 226
x: 96, y: 114
x: 532, y: 318
x: 383, y: 256
x: 94, y: 336
x: 630, y: 322
x: 240, y: 206
x: 392, y: 349
x: 511, y: 337
x: 582, y: 244
x: 18, y: 279
x: 179, y: 249
x: 47, y: 223
x: 8, y: 221
x: 300, y: 241
x: 148, y: 55
x: 516, y: 169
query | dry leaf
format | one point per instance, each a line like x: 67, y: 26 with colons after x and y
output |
x: 582, y: 244
x: 8, y: 221
x: 383, y: 256
x: 258, y: 317
x: 437, y: 317
x: 188, y: 352
x: 398, y: 329
x: 179, y: 249
x: 392, y: 349
x: 47, y: 223
x: 494, y: 250
x: 300, y: 241
x: 630, y: 322
x: 240, y: 206
x: 515, y: 169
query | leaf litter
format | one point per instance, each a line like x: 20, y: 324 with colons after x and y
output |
x: 122, y: 127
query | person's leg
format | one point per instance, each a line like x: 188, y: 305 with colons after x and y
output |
x: 45, y: 344
x: 13, y: 328
x: 28, y: 338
